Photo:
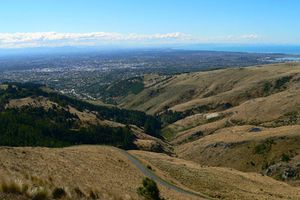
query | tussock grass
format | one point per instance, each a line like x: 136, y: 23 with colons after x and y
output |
x: 40, y: 193
x: 93, y: 194
x: 79, y: 193
x: 13, y: 186
x: 33, y: 191
x: 17, y: 186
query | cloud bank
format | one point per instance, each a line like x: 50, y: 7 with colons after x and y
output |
x: 50, y: 39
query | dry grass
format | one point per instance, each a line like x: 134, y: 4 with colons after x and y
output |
x: 239, y: 85
x: 236, y: 147
x: 268, y: 108
x: 84, y: 170
x: 149, y: 143
x: 186, y: 91
x: 85, y: 117
x: 260, y: 95
x: 13, y: 186
x: 223, y: 183
x: 100, y: 168
x: 32, y: 101
x: 183, y: 129
x: 27, y: 190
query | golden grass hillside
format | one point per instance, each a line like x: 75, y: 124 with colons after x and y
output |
x: 238, y: 147
x: 100, y: 172
x: 279, y: 109
x: 83, y: 171
x: 218, y: 182
x: 191, y: 90
x: 221, y: 107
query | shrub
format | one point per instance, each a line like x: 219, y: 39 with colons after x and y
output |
x: 169, y: 117
x: 58, y: 193
x: 149, y: 190
x: 264, y: 147
x: 267, y: 87
x: 285, y: 158
x: 280, y: 83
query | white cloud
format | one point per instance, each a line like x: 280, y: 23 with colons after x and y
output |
x: 250, y: 36
x: 94, y: 38
x: 232, y: 38
x: 40, y: 39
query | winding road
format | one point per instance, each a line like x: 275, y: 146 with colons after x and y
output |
x: 148, y: 173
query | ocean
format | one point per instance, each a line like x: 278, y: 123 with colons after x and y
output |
x: 281, y: 49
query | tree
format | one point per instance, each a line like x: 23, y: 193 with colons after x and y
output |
x: 149, y: 190
x: 152, y: 127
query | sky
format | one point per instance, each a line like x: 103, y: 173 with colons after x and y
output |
x: 38, y: 23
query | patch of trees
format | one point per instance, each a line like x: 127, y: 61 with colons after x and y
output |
x: 151, y: 124
x: 31, y: 126
x: 124, y: 87
x: 279, y: 84
x: 169, y: 116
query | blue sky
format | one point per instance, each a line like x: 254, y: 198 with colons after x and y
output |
x: 94, y: 22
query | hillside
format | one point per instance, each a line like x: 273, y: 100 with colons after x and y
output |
x: 84, y: 172
x: 44, y: 169
x: 33, y: 115
x: 217, y: 182
x: 214, y: 89
x: 273, y: 151
x: 223, y: 134
x: 246, y: 118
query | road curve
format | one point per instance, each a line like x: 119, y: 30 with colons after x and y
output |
x: 148, y: 173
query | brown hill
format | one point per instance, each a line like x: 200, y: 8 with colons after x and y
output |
x: 87, y: 171
x: 217, y: 182
x: 246, y: 118
x: 83, y: 172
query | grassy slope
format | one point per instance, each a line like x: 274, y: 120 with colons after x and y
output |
x: 264, y: 96
x: 225, y: 142
x: 71, y: 167
x: 185, y: 91
x: 243, y: 150
x: 223, y: 183
x: 98, y: 168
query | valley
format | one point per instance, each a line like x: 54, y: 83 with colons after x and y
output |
x: 222, y: 134
x: 246, y: 119
x: 149, y: 100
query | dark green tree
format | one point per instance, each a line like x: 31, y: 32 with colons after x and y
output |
x: 149, y: 190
